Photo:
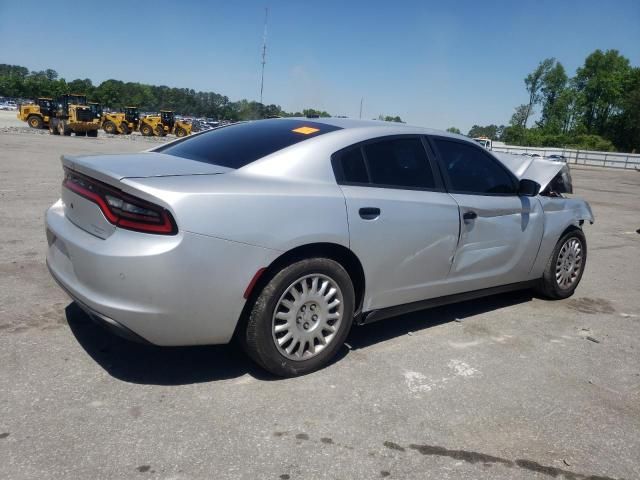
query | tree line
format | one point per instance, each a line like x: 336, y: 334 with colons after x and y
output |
x: 18, y: 82
x: 596, y: 109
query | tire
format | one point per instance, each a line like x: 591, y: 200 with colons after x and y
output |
x: 64, y: 129
x: 92, y: 133
x: 35, y: 121
x: 81, y: 134
x: 110, y: 127
x: 146, y: 130
x: 565, y: 266
x: 264, y: 331
x: 181, y: 132
x: 125, y: 129
x: 159, y: 131
x: 53, y: 127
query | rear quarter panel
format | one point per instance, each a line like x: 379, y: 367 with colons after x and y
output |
x: 269, y: 212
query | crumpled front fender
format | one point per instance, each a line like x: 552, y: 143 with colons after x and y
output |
x: 559, y: 214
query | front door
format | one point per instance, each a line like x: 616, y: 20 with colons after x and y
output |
x: 500, y: 231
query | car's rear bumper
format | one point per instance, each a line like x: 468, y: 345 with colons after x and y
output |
x: 106, y: 322
x: 185, y: 289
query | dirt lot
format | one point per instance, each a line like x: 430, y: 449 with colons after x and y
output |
x: 506, y: 387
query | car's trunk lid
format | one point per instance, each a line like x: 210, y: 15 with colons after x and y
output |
x: 111, y: 170
x: 138, y: 165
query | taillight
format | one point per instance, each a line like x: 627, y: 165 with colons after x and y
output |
x: 119, y: 208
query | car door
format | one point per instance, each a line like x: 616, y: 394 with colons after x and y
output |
x: 500, y: 231
x: 403, y: 226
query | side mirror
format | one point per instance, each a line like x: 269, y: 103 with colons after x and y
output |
x: 528, y: 188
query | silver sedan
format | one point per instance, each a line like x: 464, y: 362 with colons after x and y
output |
x: 285, y: 232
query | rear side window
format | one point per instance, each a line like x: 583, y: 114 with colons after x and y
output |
x: 393, y: 163
x: 238, y: 145
x: 353, y: 166
x: 471, y: 170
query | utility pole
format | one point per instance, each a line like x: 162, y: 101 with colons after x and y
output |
x: 264, y: 51
x: 361, y: 100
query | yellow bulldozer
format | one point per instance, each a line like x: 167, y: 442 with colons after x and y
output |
x: 161, y: 125
x: 121, y: 122
x: 37, y: 114
x: 71, y: 114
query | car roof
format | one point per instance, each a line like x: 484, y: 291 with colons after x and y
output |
x: 353, y: 123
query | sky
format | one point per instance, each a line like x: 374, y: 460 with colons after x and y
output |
x: 436, y: 64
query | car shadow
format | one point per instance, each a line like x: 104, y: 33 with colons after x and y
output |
x: 376, y: 332
x: 151, y: 365
x: 148, y: 364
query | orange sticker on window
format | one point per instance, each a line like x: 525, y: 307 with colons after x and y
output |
x: 306, y: 130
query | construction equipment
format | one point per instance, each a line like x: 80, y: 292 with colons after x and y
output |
x: 121, y: 122
x: 72, y: 115
x: 161, y: 125
x: 37, y: 114
x: 96, y: 109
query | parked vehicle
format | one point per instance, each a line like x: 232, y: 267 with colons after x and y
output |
x: 557, y: 158
x: 285, y: 232
x: 9, y: 105
x: 485, y: 142
x: 164, y: 123
x: 37, y: 114
x: 71, y: 114
x: 121, y: 122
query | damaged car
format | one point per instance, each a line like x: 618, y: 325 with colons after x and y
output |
x: 284, y: 233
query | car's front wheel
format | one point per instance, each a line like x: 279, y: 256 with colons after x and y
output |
x: 565, y: 267
x: 301, y: 317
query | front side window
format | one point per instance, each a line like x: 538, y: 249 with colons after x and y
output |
x: 471, y: 170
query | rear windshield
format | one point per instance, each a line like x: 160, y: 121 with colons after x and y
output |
x: 238, y: 145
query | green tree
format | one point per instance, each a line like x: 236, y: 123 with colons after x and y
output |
x: 454, y: 130
x: 602, y: 82
x: 554, y: 104
x: 494, y: 132
x: 533, y: 82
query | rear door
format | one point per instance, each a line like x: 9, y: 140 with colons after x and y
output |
x: 402, y: 224
x: 500, y: 231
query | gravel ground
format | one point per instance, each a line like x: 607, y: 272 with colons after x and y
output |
x: 506, y: 387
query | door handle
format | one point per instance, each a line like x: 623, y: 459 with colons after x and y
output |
x: 470, y: 215
x: 369, y: 213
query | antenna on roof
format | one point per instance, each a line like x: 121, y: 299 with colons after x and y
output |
x: 264, y: 50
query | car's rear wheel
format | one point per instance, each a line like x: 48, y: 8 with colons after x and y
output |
x: 301, y: 317
x: 565, y: 267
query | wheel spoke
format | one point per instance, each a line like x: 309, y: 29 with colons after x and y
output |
x: 333, y: 304
x: 281, y: 328
x: 285, y: 338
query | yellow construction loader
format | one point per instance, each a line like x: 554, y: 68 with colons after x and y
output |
x: 96, y: 109
x: 71, y: 114
x: 121, y: 122
x: 37, y: 114
x: 161, y: 125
